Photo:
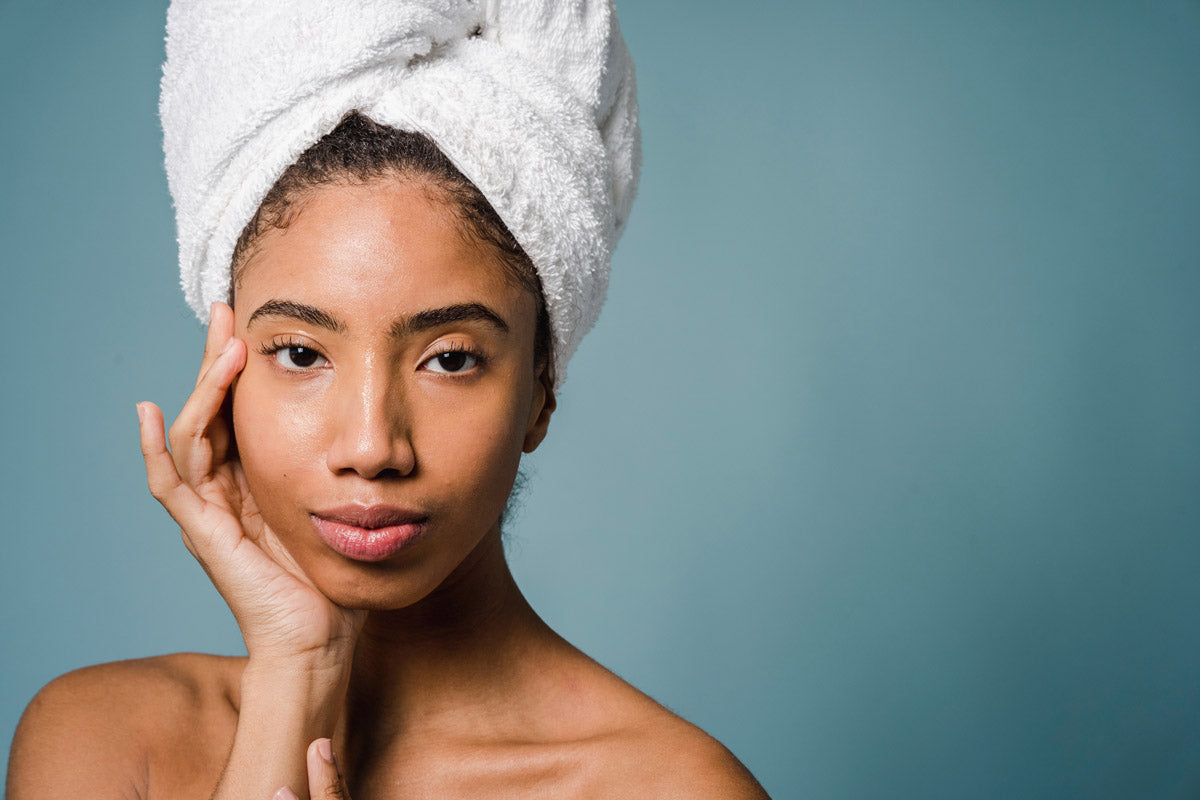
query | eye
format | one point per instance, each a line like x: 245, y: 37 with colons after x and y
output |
x: 452, y: 362
x: 299, y: 358
x: 294, y: 357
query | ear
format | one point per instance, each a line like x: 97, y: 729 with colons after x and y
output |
x: 540, y: 410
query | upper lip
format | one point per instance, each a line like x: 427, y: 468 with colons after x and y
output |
x: 370, y: 517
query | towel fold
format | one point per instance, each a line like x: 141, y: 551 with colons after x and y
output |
x: 533, y: 100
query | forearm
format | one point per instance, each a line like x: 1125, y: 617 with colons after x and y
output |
x: 284, y: 707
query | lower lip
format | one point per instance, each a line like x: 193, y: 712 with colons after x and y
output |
x: 367, y: 544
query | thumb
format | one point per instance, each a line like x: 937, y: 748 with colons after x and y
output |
x: 324, y: 780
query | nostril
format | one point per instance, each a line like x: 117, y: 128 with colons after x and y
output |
x: 391, y: 472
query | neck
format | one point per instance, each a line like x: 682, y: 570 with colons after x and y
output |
x: 459, y: 653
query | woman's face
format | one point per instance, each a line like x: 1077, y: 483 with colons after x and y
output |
x: 389, y: 389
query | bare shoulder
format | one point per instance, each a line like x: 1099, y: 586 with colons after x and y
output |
x: 676, y: 759
x: 663, y: 755
x: 104, y: 730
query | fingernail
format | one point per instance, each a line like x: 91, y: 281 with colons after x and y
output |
x: 325, y: 748
x: 227, y: 347
x: 286, y: 794
x: 141, y: 413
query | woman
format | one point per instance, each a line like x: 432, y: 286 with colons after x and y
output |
x: 394, y: 340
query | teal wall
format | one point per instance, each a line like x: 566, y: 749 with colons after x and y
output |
x: 883, y: 463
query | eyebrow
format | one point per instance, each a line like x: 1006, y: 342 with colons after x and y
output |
x: 437, y: 317
x: 405, y: 326
x: 287, y: 309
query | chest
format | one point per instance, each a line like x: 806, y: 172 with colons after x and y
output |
x: 513, y: 770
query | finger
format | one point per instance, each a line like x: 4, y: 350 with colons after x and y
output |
x: 285, y: 793
x: 324, y: 779
x: 191, y: 434
x: 220, y: 330
x: 161, y: 475
x: 180, y: 500
x: 208, y: 536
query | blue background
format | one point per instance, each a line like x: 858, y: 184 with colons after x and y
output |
x: 883, y: 462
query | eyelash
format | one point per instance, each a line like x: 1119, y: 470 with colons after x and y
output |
x: 275, y: 345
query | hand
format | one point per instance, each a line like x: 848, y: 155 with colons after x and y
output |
x: 201, y: 484
x: 324, y: 779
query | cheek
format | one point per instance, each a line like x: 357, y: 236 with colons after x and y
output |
x: 473, y: 448
x: 277, y: 433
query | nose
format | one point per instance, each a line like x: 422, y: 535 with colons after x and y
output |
x: 372, y: 430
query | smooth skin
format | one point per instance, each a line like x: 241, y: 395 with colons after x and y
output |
x: 356, y: 367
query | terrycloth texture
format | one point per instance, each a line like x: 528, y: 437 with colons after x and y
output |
x: 533, y: 100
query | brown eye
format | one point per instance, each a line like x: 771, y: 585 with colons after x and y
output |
x: 297, y: 357
x: 452, y: 361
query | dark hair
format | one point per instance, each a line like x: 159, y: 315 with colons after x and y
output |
x: 360, y: 149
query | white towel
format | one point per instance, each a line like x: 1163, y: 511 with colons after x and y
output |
x: 533, y: 100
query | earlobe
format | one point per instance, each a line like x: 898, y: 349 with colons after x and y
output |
x: 542, y: 407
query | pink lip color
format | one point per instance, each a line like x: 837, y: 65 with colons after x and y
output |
x: 369, y: 533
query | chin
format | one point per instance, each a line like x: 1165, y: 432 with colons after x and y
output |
x: 372, y: 602
x: 371, y: 598
x: 371, y: 587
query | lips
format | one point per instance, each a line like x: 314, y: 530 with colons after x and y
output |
x: 369, y: 533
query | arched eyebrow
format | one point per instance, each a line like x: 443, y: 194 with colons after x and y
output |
x: 287, y: 309
x: 404, y: 326
x: 437, y: 317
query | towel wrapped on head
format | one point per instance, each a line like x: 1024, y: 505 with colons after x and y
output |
x: 533, y: 100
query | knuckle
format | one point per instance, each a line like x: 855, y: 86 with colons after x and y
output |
x: 155, y: 483
x: 189, y: 430
x: 161, y: 485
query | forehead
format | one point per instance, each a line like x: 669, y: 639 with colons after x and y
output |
x: 380, y: 249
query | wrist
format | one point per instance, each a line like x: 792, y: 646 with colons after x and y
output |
x: 285, y: 704
x: 310, y: 672
x: 290, y: 658
x: 305, y: 697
